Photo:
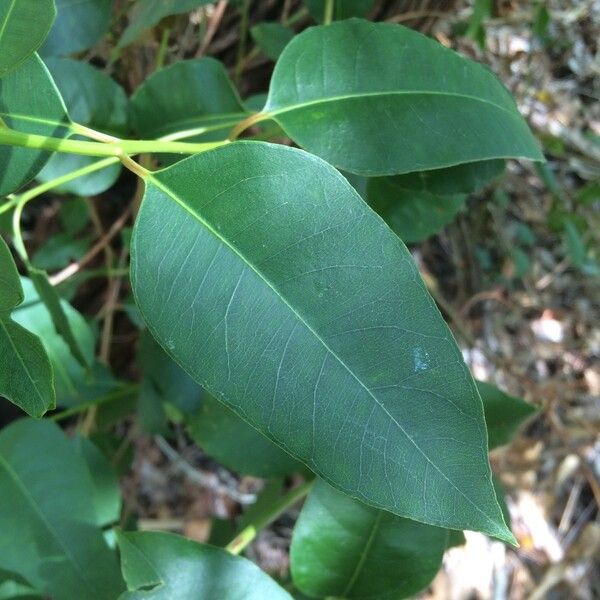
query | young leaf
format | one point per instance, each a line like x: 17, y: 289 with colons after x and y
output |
x: 285, y: 296
x: 337, y: 92
x: 41, y: 112
x: 272, y: 38
x: 343, y: 9
x: 93, y: 99
x: 147, y: 13
x: 413, y: 215
x: 26, y: 377
x: 237, y: 445
x: 79, y: 25
x: 207, y: 104
x: 48, y: 517
x: 346, y: 549
x: 24, y: 25
x: 503, y: 413
x: 163, y: 566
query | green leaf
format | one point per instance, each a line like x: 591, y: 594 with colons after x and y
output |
x: 207, y: 104
x: 272, y: 38
x: 95, y: 100
x: 13, y: 586
x: 147, y: 13
x: 337, y: 92
x: 286, y: 297
x: 106, y: 492
x: 26, y: 377
x: 227, y: 438
x: 40, y: 112
x: 504, y: 414
x: 48, y: 518
x: 343, y: 9
x: 74, y: 383
x: 412, y: 215
x: 346, y: 549
x: 24, y: 25
x: 159, y: 566
x: 79, y: 25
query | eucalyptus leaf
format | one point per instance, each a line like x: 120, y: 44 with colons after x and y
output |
x: 26, y: 377
x: 343, y: 548
x: 277, y: 288
x: 93, y: 99
x: 195, y: 96
x: 272, y: 38
x: 381, y: 99
x: 163, y: 566
x: 504, y: 414
x: 79, y: 25
x: 51, y: 539
x: 42, y: 112
x: 145, y: 14
x: 24, y: 25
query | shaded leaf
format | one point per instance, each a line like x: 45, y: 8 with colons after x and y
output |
x: 51, y: 539
x: 272, y: 38
x: 343, y: 9
x: 26, y: 377
x: 290, y: 301
x: 42, y: 113
x: 336, y: 93
x: 24, y: 25
x: 159, y: 566
x: 343, y: 548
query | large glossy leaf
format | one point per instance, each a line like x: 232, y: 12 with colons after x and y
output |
x: 92, y: 98
x: 79, y: 25
x: 381, y: 99
x: 190, y: 95
x: 73, y: 382
x: 24, y: 25
x: 163, y: 566
x: 346, y: 549
x: 48, y: 518
x: 262, y: 272
x: 42, y: 113
x: 26, y: 377
x: 147, y: 13
x: 503, y: 413
x: 236, y: 444
x: 413, y: 215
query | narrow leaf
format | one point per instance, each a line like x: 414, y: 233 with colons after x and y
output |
x: 51, y: 539
x: 24, y: 24
x: 285, y: 296
x: 338, y: 93
x: 163, y: 566
x: 343, y: 548
x: 26, y: 377
x: 41, y: 112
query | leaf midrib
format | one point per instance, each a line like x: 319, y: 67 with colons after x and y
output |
x: 170, y: 193
x: 31, y: 501
x: 272, y: 112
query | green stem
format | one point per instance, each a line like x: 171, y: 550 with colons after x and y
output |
x: 116, y: 395
x: 328, y: 16
x: 245, y: 537
x: 162, y: 49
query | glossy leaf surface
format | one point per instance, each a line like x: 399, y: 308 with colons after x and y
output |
x: 26, y: 377
x: 24, y: 25
x: 147, y: 13
x: 42, y: 113
x: 163, y: 566
x: 274, y: 285
x: 79, y: 25
x: 95, y: 100
x: 503, y: 413
x: 381, y: 99
x: 48, y: 518
x: 190, y: 95
x: 344, y: 548
x: 236, y: 444
x: 413, y: 216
